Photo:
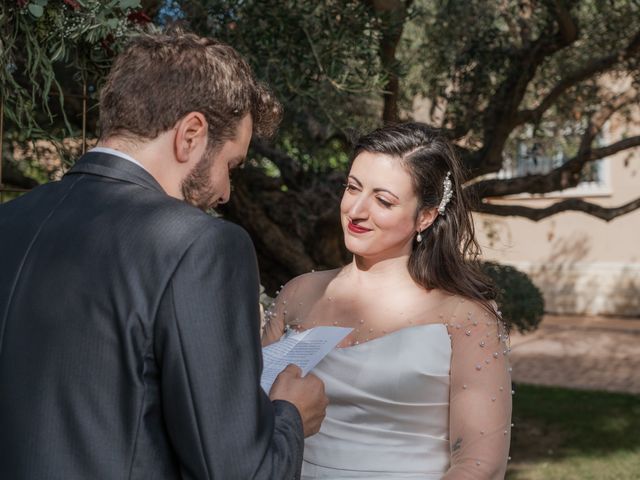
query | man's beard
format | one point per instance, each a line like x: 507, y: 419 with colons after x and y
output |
x: 197, y: 188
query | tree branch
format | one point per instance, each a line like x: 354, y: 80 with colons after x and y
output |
x: 393, y: 14
x: 566, y: 24
x: 273, y: 240
x: 568, y: 174
x: 602, y: 152
x: 501, y: 115
x: 594, y: 127
x: 572, y: 204
x: 565, y: 176
x: 596, y: 66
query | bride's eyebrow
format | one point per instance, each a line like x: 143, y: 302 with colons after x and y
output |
x: 376, y: 190
x: 386, y: 191
x: 355, y: 179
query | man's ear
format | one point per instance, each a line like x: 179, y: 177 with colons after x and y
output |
x: 425, y: 218
x: 191, y: 137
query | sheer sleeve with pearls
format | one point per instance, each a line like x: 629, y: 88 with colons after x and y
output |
x: 283, y: 311
x: 480, y: 394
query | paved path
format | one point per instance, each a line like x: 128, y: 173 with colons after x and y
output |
x: 594, y: 353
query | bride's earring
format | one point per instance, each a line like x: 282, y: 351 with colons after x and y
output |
x: 419, y: 237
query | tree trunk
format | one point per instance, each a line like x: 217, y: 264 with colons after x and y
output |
x: 294, y: 232
x: 393, y: 15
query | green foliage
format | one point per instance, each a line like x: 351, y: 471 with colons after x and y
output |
x: 520, y: 301
x: 303, y: 49
x: 321, y: 59
x: 460, y: 50
x: 46, y: 41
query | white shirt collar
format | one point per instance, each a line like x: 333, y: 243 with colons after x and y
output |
x: 117, y: 153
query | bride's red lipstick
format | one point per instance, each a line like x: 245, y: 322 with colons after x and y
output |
x: 357, y: 229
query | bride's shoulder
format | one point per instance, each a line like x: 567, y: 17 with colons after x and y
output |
x: 307, y: 287
x: 474, y: 317
x: 310, y: 281
x: 452, y: 305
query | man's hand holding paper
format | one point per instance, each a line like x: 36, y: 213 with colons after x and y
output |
x: 286, y: 371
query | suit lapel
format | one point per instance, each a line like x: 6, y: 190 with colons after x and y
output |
x: 112, y: 166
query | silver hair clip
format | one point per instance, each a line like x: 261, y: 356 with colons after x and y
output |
x: 447, y: 194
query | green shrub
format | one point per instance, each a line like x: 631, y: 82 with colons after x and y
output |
x: 520, y: 301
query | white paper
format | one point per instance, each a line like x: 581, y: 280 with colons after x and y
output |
x: 304, y: 349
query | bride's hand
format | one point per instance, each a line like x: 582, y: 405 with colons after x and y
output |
x: 273, y: 328
x: 277, y: 314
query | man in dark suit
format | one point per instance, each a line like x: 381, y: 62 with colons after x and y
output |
x: 129, y: 320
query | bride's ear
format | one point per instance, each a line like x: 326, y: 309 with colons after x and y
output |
x: 425, y: 218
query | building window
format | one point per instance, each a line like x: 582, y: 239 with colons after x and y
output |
x: 532, y: 157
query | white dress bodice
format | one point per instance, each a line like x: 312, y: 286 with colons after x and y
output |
x: 429, y: 400
x: 388, y: 413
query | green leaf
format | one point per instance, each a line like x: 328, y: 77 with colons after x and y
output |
x: 129, y: 4
x: 36, y: 10
x: 58, y: 52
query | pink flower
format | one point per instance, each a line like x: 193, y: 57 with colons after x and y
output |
x: 73, y: 4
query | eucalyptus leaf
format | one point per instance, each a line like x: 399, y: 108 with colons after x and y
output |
x: 124, y: 4
x: 59, y: 52
x: 35, y: 10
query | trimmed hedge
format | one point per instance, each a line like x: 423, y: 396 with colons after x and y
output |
x: 520, y: 301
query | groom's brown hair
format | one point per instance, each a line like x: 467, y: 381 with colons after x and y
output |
x: 160, y: 78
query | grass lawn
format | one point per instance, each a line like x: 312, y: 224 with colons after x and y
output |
x: 574, y: 435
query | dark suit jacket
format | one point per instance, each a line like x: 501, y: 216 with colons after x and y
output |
x: 129, y: 338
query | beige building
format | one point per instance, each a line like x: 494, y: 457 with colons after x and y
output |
x: 583, y: 265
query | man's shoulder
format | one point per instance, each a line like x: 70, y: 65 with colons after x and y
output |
x: 222, y: 235
x: 178, y: 218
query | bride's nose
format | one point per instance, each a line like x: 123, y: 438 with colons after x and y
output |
x: 359, y: 208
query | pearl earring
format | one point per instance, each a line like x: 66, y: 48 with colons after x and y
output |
x: 419, y: 237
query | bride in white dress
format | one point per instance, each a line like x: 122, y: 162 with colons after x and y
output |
x: 421, y: 388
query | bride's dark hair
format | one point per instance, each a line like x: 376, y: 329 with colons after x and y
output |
x: 446, y: 258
